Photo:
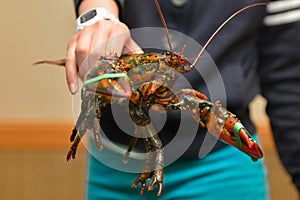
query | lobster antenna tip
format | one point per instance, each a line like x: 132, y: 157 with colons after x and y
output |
x: 182, y: 50
x: 222, y: 25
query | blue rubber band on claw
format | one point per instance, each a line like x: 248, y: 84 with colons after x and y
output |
x: 105, y: 76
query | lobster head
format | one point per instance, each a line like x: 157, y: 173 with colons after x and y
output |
x: 178, y: 62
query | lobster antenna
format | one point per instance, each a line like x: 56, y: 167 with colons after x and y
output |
x: 61, y: 62
x: 221, y: 26
x: 164, y: 23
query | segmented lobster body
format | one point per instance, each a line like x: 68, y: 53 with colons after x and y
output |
x: 144, y: 80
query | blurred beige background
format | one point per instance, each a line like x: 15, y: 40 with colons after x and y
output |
x: 31, y: 31
x: 36, y: 109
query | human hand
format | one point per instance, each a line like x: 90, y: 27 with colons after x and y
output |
x: 105, y: 37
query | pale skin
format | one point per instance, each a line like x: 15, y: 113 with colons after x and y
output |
x: 97, y: 40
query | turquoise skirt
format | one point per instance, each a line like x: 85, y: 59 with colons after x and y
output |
x: 224, y: 174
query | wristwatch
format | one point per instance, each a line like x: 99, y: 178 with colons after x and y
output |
x: 92, y: 16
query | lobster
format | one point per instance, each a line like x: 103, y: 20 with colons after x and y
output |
x: 144, y: 80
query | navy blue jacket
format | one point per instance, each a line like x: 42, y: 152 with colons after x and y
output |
x: 254, y: 54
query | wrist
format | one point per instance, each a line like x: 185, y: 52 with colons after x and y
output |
x: 92, y: 16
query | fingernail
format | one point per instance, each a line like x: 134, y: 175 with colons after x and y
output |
x: 73, y: 88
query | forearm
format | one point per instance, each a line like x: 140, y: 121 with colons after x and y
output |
x: 110, y: 5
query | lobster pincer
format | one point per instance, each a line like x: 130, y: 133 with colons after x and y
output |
x: 227, y: 127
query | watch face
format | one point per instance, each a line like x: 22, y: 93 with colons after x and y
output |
x: 87, y: 16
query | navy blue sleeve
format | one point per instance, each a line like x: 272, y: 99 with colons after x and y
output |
x: 280, y: 82
x: 76, y: 4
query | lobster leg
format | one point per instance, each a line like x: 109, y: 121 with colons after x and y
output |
x: 154, y: 149
x: 154, y: 155
x: 75, y: 138
x: 130, y: 148
x: 158, y: 174
x: 94, y: 121
x: 73, y: 148
x: 219, y: 121
x: 79, y: 127
x: 147, y: 172
x: 89, y: 118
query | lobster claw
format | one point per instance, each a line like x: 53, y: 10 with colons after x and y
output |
x: 243, y: 140
x: 114, y: 84
x: 226, y: 126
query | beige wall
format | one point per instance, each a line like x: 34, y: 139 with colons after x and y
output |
x: 31, y: 31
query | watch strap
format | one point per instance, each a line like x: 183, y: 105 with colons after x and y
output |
x: 92, y: 16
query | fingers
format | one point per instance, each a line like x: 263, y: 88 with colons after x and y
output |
x: 100, y: 35
x: 71, y: 66
x: 103, y: 38
x: 118, y: 38
x: 83, y: 45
